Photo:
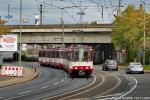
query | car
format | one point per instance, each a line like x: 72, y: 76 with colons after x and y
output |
x: 110, y: 65
x: 135, y: 67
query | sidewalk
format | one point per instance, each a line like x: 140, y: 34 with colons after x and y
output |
x: 28, y: 74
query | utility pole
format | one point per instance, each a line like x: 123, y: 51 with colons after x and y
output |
x: 41, y: 13
x: 119, y: 6
x: 20, y: 32
x: 81, y: 13
x: 102, y: 12
x: 8, y: 13
x: 62, y: 23
x: 144, y: 46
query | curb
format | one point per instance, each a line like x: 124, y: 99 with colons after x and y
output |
x: 14, y: 82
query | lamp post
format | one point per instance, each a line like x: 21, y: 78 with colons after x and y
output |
x: 144, y: 47
x: 62, y: 22
x: 20, y: 32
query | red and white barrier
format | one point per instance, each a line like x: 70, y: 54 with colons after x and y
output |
x: 11, y: 71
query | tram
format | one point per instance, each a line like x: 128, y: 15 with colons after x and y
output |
x: 76, y: 60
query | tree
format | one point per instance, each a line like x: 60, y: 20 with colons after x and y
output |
x: 127, y: 31
x: 3, y: 28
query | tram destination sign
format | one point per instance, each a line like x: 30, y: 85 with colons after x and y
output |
x: 8, y: 42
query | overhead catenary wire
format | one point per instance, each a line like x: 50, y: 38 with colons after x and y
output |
x: 51, y: 4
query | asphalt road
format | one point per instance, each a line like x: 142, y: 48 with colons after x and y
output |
x: 54, y: 84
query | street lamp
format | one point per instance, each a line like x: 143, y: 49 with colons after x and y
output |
x: 20, y: 32
x: 144, y: 36
x: 62, y: 22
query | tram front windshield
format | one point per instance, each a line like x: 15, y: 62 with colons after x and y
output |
x: 81, y: 54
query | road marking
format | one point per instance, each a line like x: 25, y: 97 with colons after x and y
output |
x: 103, y: 80
x: 62, y: 80
x: 109, y: 95
x: 44, y: 87
x: 24, y: 92
x: 114, y: 87
x: 1, y: 97
x: 130, y: 90
x: 56, y: 83
x: 74, y: 90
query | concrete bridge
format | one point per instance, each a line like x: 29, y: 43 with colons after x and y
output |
x: 87, y: 33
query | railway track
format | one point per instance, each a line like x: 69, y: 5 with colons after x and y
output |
x: 91, y: 90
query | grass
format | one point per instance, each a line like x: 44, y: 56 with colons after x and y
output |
x: 147, y: 67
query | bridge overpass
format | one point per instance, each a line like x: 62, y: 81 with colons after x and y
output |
x: 72, y: 33
x: 43, y: 36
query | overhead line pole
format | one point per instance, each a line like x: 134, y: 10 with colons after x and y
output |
x: 41, y: 14
x: 62, y: 22
x: 119, y: 5
x: 20, y: 32
x: 144, y: 45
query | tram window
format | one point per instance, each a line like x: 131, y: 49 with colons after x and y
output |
x: 65, y: 55
x: 85, y: 56
x: 57, y: 54
x: 81, y: 54
x: 50, y: 54
x: 53, y: 54
x: 76, y: 56
x: 61, y: 54
x: 90, y: 56
x: 40, y: 54
x: 44, y: 54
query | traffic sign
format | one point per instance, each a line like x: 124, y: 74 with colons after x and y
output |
x: 81, y: 13
x: 8, y: 16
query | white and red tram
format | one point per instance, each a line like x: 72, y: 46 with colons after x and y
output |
x: 76, y: 60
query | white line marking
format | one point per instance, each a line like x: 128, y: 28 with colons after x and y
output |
x: 74, y: 90
x: 56, y: 83
x: 44, y: 87
x: 103, y: 80
x: 114, y: 87
x: 62, y: 80
x: 24, y: 92
x: 130, y: 90
x: 109, y: 95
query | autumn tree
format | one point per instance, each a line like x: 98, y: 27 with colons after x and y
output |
x: 3, y: 28
x: 128, y: 29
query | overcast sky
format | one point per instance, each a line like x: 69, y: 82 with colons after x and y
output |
x: 52, y: 15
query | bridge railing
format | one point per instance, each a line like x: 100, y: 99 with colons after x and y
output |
x: 60, y: 26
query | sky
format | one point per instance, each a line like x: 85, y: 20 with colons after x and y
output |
x: 52, y: 12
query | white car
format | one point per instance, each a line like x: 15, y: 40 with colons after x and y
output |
x: 135, y: 67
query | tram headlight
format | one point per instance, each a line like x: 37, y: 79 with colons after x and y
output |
x: 75, y: 67
x: 86, y: 67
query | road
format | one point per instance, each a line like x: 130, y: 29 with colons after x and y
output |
x: 54, y: 84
